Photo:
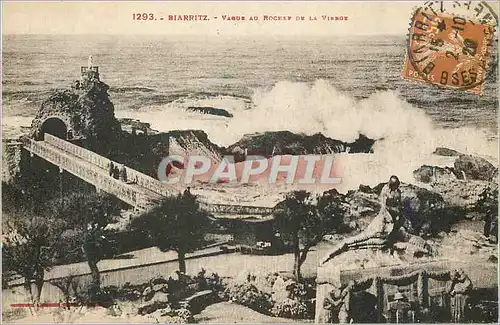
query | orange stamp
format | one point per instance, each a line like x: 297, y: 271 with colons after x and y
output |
x: 448, y: 50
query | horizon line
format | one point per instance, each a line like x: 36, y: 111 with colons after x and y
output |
x: 266, y: 35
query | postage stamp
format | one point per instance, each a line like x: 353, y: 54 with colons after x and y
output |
x: 229, y: 162
x: 448, y: 50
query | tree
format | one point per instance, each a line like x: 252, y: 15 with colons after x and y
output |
x: 86, y: 217
x: 302, y: 223
x: 29, y: 249
x: 176, y: 223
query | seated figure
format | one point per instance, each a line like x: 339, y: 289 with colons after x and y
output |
x: 383, y: 228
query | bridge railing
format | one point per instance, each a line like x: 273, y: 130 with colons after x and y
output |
x: 236, y: 209
x: 141, y: 179
x: 107, y: 184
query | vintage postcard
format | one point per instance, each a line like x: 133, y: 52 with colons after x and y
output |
x: 250, y: 162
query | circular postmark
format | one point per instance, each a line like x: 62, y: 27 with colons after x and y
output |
x: 450, y: 44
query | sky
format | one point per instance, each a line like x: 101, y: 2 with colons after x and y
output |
x: 364, y: 18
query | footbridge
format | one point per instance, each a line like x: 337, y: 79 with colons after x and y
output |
x: 142, y: 192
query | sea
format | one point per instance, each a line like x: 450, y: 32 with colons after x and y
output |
x: 338, y: 86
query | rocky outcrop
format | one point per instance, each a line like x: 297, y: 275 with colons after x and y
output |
x: 424, y: 209
x: 83, y: 112
x: 433, y: 174
x: 288, y: 143
x: 461, y: 193
x: 441, y: 151
x: 193, y: 142
x: 476, y: 168
x: 210, y: 110
x: 136, y: 126
x: 420, y: 206
x: 461, y: 186
x: 145, y: 153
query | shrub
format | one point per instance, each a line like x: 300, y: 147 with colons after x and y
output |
x: 290, y: 308
x: 248, y: 295
x: 130, y: 292
x: 217, y: 284
x: 171, y: 315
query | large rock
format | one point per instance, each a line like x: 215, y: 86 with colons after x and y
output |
x: 461, y: 193
x: 419, y: 205
x: 441, y: 151
x: 432, y: 174
x: 461, y: 186
x: 288, y: 143
x: 83, y: 112
x: 475, y: 168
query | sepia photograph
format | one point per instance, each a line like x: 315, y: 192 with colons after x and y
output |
x: 249, y: 162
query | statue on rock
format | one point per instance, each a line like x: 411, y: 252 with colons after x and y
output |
x: 84, y: 112
x: 385, y: 229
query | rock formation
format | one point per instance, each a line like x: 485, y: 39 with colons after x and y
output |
x: 419, y: 205
x: 441, y: 151
x: 476, y: 168
x: 209, y: 110
x: 390, y: 225
x: 288, y: 143
x: 462, y: 185
x: 432, y: 174
x: 83, y: 112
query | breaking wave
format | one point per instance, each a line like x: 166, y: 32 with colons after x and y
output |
x: 384, y: 116
x: 406, y: 136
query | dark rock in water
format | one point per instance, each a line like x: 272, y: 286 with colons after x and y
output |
x: 446, y: 152
x: 362, y: 144
x: 432, y: 174
x: 210, y: 110
x: 288, y: 143
x: 476, y: 168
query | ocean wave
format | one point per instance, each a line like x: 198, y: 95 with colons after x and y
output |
x: 153, y: 100
x: 24, y: 95
x: 404, y: 131
x: 408, y: 132
x: 130, y: 89
x: 32, y: 83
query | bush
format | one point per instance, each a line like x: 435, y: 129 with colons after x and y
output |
x: 298, y: 302
x: 290, y: 308
x: 248, y: 295
x: 182, y: 313
x: 130, y: 292
x: 171, y: 315
x: 217, y: 284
